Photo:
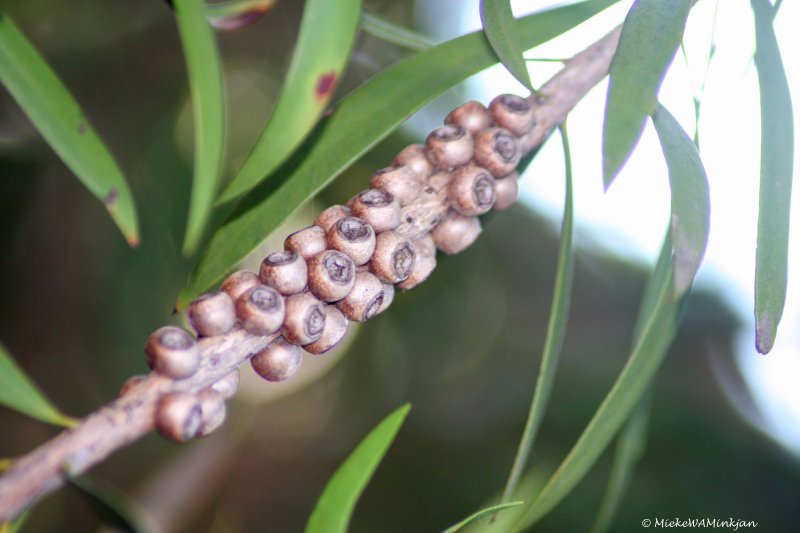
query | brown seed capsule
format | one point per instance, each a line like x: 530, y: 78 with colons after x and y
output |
x: 212, y: 408
x: 305, y: 319
x: 331, y: 216
x: 506, y: 190
x: 130, y: 383
x: 512, y: 112
x: 334, y: 332
x: 378, y: 208
x: 472, y: 116
x: 364, y: 301
x: 238, y: 282
x: 424, y: 263
x: 178, y: 416
x: 415, y: 157
x: 212, y: 314
x: 285, y: 271
x: 227, y: 385
x: 393, y: 259
x: 278, y: 361
x: 471, y: 191
x: 260, y: 310
x: 307, y: 242
x: 456, y: 233
x: 388, y: 297
x: 400, y: 181
x: 353, y: 236
x: 172, y: 352
x: 331, y: 275
x: 449, y: 146
x: 496, y: 151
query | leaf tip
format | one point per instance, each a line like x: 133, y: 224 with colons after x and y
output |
x: 765, y: 335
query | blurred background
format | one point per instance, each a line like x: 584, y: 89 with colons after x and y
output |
x: 76, y: 304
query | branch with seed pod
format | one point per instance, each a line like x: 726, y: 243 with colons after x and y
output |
x: 344, y: 268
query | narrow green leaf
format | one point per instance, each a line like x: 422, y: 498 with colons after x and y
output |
x: 350, y: 132
x: 392, y: 33
x: 481, y: 514
x: 327, y: 33
x: 60, y: 120
x: 691, y: 204
x: 16, y: 524
x: 650, y: 37
x: 236, y: 14
x: 111, y: 506
x: 774, y: 201
x: 208, y: 109
x: 337, y: 502
x: 659, y: 324
x: 556, y: 329
x: 498, y: 24
x: 18, y: 392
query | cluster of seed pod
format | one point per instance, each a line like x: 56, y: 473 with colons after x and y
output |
x: 346, y: 266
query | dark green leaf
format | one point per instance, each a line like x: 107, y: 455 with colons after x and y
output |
x: 392, y: 33
x: 111, y: 506
x: 18, y: 392
x: 690, y: 200
x: 60, y: 120
x: 208, y: 108
x: 236, y: 14
x: 335, y: 506
x: 359, y: 122
x: 327, y: 33
x: 481, y: 514
x: 774, y: 201
x: 498, y: 24
x: 650, y: 37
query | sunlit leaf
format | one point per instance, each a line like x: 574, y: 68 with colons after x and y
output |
x: 110, y: 505
x: 208, y: 110
x: 392, y: 33
x: 327, y: 33
x: 359, y: 122
x: 58, y: 117
x: 650, y: 37
x: 236, y: 14
x: 18, y: 392
x: 690, y: 199
x: 483, y: 513
x: 774, y: 201
x: 498, y: 24
x: 335, y: 506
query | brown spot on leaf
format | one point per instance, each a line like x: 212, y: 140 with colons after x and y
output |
x: 111, y: 198
x: 237, y: 20
x: 325, y: 85
x: 81, y: 128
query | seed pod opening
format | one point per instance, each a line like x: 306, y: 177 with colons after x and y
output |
x: 506, y: 191
x: 471, y: 191
x: 449, y: 146
x: 178, y: 416
x: 415, y: 157
x: 364, y: 301
x: 512, y: 112
x: 331, y: 275
x: 472, y: 116
x: 278, y: 361
x: 307, y: 242
x: 238, y: 282
x: 172, y: 352
x: 424, y: 264
x: 354, y: 237
x: 388, y: 297
x: 456, y: 233
x: 260, y: 310
x: 331, y: 216
x: 496, y: 151
x: 227, y: 385
x: 394, y: 257
x: 285, y: 271
x: 332, y: 335
x: 305, y: 319
x: 213, y: 410
x: 400, y: 181
x: 378, y: 208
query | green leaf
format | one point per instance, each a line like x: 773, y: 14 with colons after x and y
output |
x: 481, y: 514
x: 392, y: 33
x: 659, y: 316
x: 774, y: 201
x: 208, y: 109
x: 691, y: 204
x: 236, y: 14
x: 15, y: 525
x: 18, y: 392
x: 327, y: 33
x: 111, y: 506
x: 650, y: 37
x: 556, y: 329
x: 498, y: 23
x: 360, y: 121
x: 335, y: 506
x: 60, y: 120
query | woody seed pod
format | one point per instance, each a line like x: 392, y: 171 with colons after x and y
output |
x: 379, y: 208
x: 212, y: 314
x: 388, y: 297
x: 285, y: 271
x: 449, y: 146
x: 260, y: 310
x: 364, y: 301
x: 424, y: 263
x: 400, y: 181
x: 130, y: 383
x: 334, y: 332
x: 415, y: 157
x: 178, y: 416
x: 172, y: 352
x: 278, y: 361
x: 307, y: 242
x: 331, y: 216
x: 305, y: 319
x: 496, y: 151
x: 212, y: 409
x: 354, y: 237
x: 472, y: 116
x: 471, y: 191
x: 331, y: 275
x: 227, y: 385
x: 238, y: 282
x: 506, y: 190
x: 512, y: 112
x: 393, y: 259
x: 456, y: 233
